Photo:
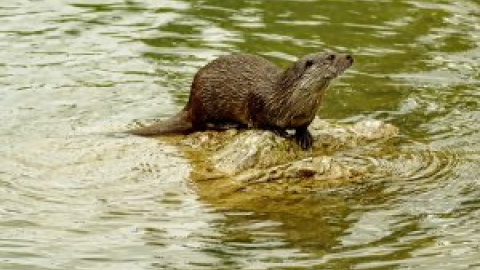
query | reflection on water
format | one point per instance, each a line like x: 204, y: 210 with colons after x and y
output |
x: 72, y: 198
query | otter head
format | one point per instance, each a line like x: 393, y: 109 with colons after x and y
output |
x: 301, y: 87
x: 313, y: 72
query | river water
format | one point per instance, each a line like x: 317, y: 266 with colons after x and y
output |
x: 73, y: 198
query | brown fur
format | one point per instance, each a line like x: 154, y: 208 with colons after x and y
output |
x: 249, y: 91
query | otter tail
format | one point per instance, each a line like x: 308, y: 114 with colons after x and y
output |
x: 178, y: 124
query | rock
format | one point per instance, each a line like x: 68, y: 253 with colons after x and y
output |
x: 257, y: 157
x: 373, y: 130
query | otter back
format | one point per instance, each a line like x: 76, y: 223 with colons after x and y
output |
x: 220, y: 90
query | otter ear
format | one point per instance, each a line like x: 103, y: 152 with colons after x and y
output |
x: 292, y: 73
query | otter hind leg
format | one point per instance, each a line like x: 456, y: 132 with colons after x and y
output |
x: 304, y: 138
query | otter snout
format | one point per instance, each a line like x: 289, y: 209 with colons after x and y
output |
x: 344, y: 59
x: 349, y: 57
x: 342, y: 62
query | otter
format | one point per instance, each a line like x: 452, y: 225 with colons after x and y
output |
x: 248, y: 91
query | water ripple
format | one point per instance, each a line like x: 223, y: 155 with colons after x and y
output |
x: 71, y: 200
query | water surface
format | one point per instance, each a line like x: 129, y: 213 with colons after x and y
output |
x: 73, y: 198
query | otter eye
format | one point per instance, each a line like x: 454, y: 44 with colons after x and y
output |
x: 331, y: 57
x: 309, y: 63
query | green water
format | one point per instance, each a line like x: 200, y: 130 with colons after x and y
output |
x: 71, y: 198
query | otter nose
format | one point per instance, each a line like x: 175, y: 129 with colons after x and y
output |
x: 349, y: 58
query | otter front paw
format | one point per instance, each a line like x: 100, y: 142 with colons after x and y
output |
x: 304, y: 139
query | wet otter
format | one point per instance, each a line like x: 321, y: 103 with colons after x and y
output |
x: 249, y: 91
